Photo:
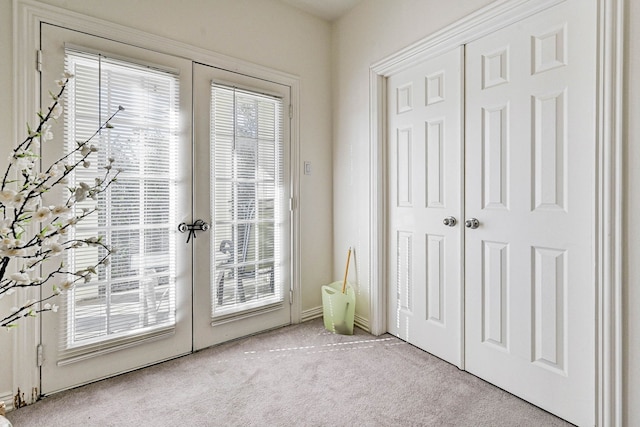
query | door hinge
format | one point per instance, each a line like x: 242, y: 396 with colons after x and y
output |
x: 39, y: 60
x: 39, y: 354
x: 291, y: 111
x: 290, y: 297
x: 292, y: 204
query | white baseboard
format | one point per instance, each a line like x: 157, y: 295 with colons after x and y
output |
x: 7, y: 398
x: 311, y: 314
x: 362, y: 323
x: 316, y: 312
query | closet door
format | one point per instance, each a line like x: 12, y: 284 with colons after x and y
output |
x: 530, y: 175
x: 425, y: 193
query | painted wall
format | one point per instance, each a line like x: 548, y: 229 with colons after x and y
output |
x: 370, y: 32
x: 6, y: 123
x: 377, y: 28
x: 264, y: 32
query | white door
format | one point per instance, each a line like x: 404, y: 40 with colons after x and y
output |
x: 243, y: 263
x: 530, y: 176
x: 136, y: 311
x: 425, y: 205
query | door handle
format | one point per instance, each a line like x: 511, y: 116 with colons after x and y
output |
x: 449, y: 221
x: 199, y: 225
x: 472, y: 223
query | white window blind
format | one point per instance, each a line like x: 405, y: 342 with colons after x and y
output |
x: 247, y: 185
x: 133, y: 298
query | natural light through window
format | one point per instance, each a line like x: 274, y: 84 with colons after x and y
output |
x: 135, y: 295
x: 247, y: 192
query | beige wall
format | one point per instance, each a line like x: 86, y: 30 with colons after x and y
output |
x: 6, y: 123
x: 264, y: 32
x: 372, y: 31
x: 377, y: 28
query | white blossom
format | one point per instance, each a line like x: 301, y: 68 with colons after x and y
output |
x: 18, y: 199
x: 61, y: 210
x: 56, y: 248
x: 6, y: 196
x: 66, y: 285
x: 42, y: 214
x: 45, y: 132
x: 31, y: 231
x: 13, y: 252
x: 57, y: 110
x: 80, y: 194
x: 52, y: 307
x: 20, y: 278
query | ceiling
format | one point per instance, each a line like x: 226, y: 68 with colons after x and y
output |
x: 329, y: 10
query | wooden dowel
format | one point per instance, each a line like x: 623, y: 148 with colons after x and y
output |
x: 346, y: 273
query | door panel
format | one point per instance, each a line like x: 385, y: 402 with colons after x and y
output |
x: 243, y: 265
x: 530, y: 159
x: 424, y: 166
x: 136, y: 311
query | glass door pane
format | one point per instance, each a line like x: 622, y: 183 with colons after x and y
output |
x: 242, y: 266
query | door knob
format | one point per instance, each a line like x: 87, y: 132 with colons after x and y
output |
x: 449, y: 221
x: 199, y: 225
x: 472, y: 223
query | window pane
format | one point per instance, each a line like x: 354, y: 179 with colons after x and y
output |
x: 247, y: 177
x: 136, y: 292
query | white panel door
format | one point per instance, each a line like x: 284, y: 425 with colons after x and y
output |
x: 243, y: 263
x: 425, y: 189
x: 137, y: 310
x: 530, y: 174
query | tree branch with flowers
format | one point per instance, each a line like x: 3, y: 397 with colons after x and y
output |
x: 33, y: 234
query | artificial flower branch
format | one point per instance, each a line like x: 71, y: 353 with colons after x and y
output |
x: 23, y: 212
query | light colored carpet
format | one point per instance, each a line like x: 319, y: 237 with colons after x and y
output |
x: 300, y: 375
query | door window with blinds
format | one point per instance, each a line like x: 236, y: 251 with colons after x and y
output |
x: 135, y: 295
x: 247, y: 192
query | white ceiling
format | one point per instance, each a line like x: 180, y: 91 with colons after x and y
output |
x: 329, y: 10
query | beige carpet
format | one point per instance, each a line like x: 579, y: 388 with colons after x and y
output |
x: 295, y: 376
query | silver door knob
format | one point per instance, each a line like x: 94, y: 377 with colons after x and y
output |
x: 472, y: 223
x: 449, y: 221
x: 199, y: 225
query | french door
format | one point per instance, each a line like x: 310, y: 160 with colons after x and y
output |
x: 241, y: 190
x: 194, y: 143
x: 137, y: 310
x: 527, y: 219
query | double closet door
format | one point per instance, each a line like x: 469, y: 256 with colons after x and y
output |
x: 491, y: 217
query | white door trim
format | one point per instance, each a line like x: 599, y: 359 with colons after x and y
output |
x: 27, y: 17
x: 609, y: 185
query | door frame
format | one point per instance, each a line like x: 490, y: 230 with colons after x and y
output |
x: 28, y: 15
x: 608, y: 185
